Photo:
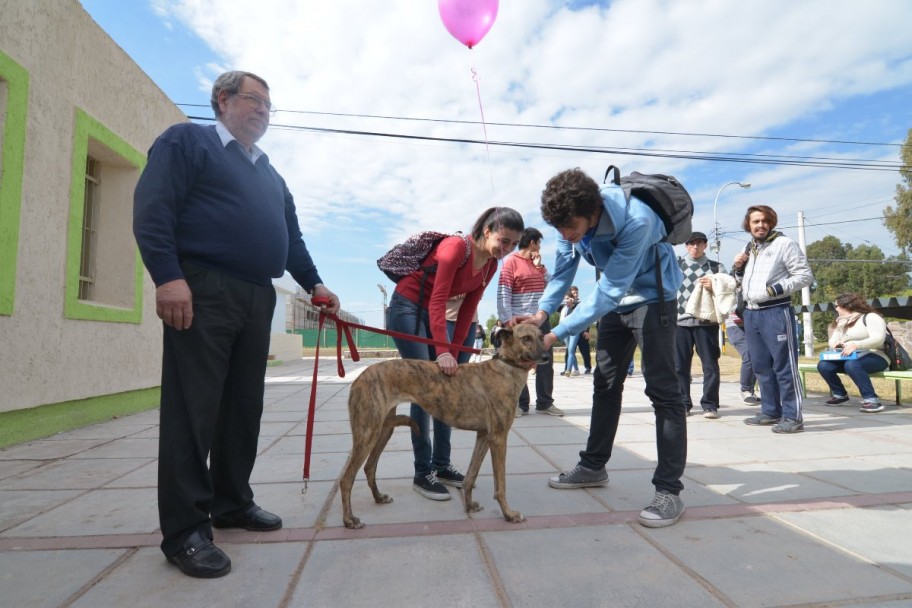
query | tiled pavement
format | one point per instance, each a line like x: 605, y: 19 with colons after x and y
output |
x: 816, y: 519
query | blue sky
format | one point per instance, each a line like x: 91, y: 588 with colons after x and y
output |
x: 787, y: 78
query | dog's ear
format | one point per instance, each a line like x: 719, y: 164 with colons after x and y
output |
x: 498, y: 335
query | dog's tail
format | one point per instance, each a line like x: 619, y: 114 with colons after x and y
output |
x: 402, y: 420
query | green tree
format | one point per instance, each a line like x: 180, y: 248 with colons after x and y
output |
x: 899, y: 220
x: 840, y: 268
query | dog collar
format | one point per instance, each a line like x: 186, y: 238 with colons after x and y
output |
x: 516, y: 365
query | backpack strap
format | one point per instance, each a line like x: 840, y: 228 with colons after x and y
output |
x: 426, y: 270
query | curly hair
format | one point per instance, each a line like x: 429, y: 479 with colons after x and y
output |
x: 767, y: 212
x: 568, y: 195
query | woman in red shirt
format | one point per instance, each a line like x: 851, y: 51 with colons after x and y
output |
x: 495, y: 234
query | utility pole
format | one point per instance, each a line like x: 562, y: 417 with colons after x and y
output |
x: 807, y: 321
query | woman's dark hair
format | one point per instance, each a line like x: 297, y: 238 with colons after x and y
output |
x: 765, y: 210
x: 496, y: 218
x: 568, y: 195
x: 529, y: 235
x: 853, y: 303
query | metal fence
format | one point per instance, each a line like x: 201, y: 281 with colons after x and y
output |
x: 362, y: 338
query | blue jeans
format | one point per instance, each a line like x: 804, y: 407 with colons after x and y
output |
x: 858, y: 370
x: 772, y: 343
x: 570, y: 364
x: 618, y: 335
x: 401, y: 317
x: 736, y: 336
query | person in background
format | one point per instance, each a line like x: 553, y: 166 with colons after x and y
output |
x: 585, y: 350
x: 771, y: 269
x: 696, y: 333
x: 495, y: 234
x: 479, y: 338
x: 860, y: 331
x: 624, y: 239
x: 571, y: 300
x: 734, y: 329
x: 215, y: 223
x: 522, y: 282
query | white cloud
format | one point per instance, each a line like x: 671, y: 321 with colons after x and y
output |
x: 746, y: 68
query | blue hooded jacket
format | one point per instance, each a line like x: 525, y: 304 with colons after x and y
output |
x: 622, y: 248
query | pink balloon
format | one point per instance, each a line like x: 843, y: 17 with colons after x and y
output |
x: 468, y: 20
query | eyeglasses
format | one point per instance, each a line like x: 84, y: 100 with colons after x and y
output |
x: 256, y: 101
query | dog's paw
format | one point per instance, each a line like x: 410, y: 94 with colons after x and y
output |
x: 473, y: 507
x: 383, y: 499
x: 354, y: 523
x: 514, y: 517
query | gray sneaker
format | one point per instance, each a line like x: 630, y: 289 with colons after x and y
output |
x: 579, y: 477
x: 553, y: 411
x: 789, y: 426
x: 665, y: 510
x: 712, y: 414
x: 748, y: 398
x: 761, y: 419
x: 519, y: 412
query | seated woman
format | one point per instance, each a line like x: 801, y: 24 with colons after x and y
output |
x: 859, y: 330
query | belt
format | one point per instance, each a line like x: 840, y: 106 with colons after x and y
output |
x: 769, y: 303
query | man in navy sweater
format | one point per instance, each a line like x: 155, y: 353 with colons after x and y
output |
x: 215, y: 223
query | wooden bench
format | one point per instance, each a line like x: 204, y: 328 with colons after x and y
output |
x: 897, y: 377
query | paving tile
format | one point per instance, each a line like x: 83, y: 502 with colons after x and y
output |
x: 102, y: 512
x: 73, y: 474
x: 591, y: 566
x: 38, y: 579
x: 17, y: 506
x: 865, y: 475
x: 130, y: 447
x: 880, y: 534
x: 49, y: 449
x: 8, y: 468
x: 757, y: 562
x: 407, y: 506
x: 762, y: 483
x: 358, y: 573
x: 260, y: 575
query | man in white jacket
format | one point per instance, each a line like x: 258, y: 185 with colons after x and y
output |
x: 771, y: 270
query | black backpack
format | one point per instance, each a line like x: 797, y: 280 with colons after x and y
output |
x: 670, y: 201
x: 663, y: 194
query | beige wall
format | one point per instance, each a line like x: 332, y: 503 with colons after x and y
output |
x: 72, y: 63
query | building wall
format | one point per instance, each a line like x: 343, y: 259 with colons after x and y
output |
x: 82, y: 89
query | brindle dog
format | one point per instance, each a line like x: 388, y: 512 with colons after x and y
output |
x: 481, y: 397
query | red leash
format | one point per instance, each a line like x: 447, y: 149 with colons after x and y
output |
x: 344, y: 326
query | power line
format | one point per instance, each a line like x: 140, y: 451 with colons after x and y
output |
x: 822, y: 163
x: 572, y: 128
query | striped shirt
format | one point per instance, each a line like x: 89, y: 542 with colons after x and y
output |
x: 520, y: 287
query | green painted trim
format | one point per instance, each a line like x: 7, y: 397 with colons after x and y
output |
x: 12, y: 164
x: 74, y: 308
x: 46, y: 420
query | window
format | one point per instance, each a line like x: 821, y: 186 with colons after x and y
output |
x: 104, y: 271
x: 89, y: 231
x: 14, y: 85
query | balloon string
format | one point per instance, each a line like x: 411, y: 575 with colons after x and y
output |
x: 484, y: 127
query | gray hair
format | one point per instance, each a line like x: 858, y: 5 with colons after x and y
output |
x: 230, y: 82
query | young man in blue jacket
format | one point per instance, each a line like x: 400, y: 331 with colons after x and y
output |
x: 620, y: 238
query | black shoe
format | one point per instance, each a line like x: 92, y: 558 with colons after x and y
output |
x: 450, y: 476
x: 762, y: 419
x: 429, y: 487
x: 252, y: 518
x: 837, y: 400
x: 200, y: 558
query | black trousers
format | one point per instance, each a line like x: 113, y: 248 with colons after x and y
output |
x: 544, y: 381
x: 618, y: 336
x: 705, y: 339
x: 213, y: 377
x: 583, y: 346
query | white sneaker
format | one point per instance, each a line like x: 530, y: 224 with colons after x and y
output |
x: 748, y: 398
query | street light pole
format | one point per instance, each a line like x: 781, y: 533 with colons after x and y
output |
x: 717, y: 243
x: 383, y: 291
